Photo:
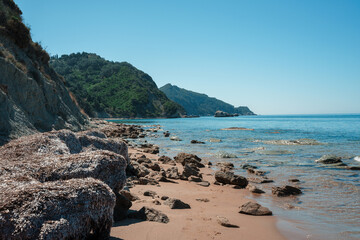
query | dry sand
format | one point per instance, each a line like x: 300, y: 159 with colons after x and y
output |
x: 199, y: 222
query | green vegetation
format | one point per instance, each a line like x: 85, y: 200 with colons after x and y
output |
x: 200, y: 104
x: 113, y: 89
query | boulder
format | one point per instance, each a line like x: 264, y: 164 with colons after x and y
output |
x: 150, y: 214
x: 286, y: 191
x: 329, y: 159
x: 186, y: 158
x: 254, y: 189
x: 122, y: 206
x: 64, y: 209
x: 167, y: 160
x: 190, y: 171
x: 230, y: 178
x: 174, y: 203
x: 196, y: 142
x: 172, y: 173
x: 255, y: 209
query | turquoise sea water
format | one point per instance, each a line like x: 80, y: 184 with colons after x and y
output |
x: 329, y: 207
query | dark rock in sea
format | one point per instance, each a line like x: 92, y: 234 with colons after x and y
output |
x: 224, y: 114
x: 196, y: 142
x: 69, y: 209
x: 357, y: 168
x: 256, y: 172
x: 260, y: 180
x: 121, y: 207
x: 225, y: 222
x: 186, y: 158
x: 166, y: 134
x: 150, y: 193
x: 254, y: 189
x: 150, y: 214
x: 286, y: 191
x: 329, y: 159
x: 255, y: 209
x: 174, y: 203
x: 246, y: 166
x: 230, y: 178
x: 294, y: 180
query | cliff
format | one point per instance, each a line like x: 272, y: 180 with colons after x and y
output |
x: 113, y: 89
x: 201, y: 104
x: 33, y: 96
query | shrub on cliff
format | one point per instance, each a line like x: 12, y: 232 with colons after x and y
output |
x: 105, y: 88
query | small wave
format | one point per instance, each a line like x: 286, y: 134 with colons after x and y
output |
x: 357, y: 158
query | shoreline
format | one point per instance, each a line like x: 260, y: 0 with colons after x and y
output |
x: 199, y: 222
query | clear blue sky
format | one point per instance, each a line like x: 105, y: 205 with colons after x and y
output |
x: 277, y: 57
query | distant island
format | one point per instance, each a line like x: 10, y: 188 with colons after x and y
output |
x: 113, y: 89
x: 201, y: 104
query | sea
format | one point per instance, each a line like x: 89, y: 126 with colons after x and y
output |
x: 329, y: 207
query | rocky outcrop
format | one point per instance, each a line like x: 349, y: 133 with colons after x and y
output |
x: 33, y: 97
x: 70, y: 209
x: 61, y: 185
x: 197, y: 104
x: 224, y: 114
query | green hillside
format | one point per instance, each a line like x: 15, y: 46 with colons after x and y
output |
x: 112, y: 89
x: 200, y: 104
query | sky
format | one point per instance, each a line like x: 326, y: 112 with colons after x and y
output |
x: 276, y: 57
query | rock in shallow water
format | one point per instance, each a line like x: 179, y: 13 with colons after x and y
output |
x: 230, y: 178
x: 286, y: 191
x: 329, y: 159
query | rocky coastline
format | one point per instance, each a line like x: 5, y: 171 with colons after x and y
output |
x: 95, y: 184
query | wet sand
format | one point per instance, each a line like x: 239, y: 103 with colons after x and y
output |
x: 199, y: 222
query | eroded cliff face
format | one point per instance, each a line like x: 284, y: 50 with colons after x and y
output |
x: 33, y: 96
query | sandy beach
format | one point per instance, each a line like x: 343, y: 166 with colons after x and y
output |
x: 199, y: 222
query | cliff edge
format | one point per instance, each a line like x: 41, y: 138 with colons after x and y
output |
x: 33, y: 96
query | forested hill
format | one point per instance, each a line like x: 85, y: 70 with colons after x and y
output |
x: 113, y: 89
x: 200, y: 104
